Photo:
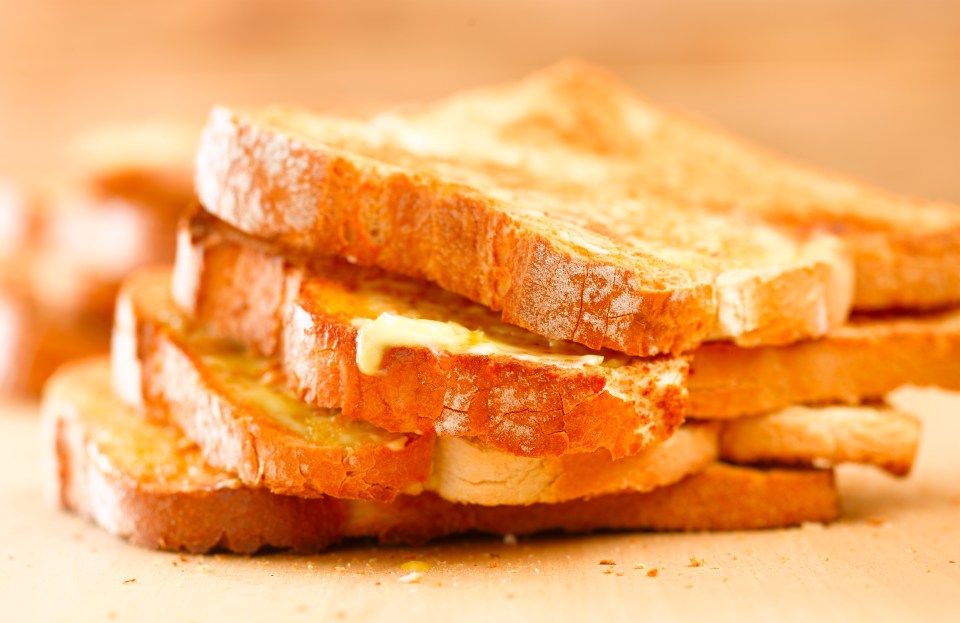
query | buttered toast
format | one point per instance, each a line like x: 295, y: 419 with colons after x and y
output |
x: 143, y: 481
x: 407, y: 356
x: 235, y: 406
x: 511, y: 206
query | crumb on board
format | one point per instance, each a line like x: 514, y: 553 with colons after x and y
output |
x: 607, y: 561
x: 696, y: 562
x: 413, y: 577
x: 130, y: 581
x: 652, y: 573
x: 416, y: 565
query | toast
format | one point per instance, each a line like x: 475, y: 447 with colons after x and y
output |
x: 226, y: 399
x: 235, y: 406
x: 863, y: 360
x: 515, y: 206
x: 143, y: 481
x: 464, y: 372
x: 308, y: 314
x: 821, y: 436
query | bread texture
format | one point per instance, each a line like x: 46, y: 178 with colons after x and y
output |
x: 235, y: 406
x: 863, y: 360
x: 503, y: 386
x: 825, y: 436
x: 143, y: 481
x: 553, y: 201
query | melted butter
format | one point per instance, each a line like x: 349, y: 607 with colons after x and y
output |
x: 257, y: 382
x: 387, y: 331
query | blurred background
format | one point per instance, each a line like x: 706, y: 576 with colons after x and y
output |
x: 100, y: 101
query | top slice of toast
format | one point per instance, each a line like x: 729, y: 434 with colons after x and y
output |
x: 563, y: 201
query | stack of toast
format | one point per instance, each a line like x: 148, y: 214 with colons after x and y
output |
x: 548, y: 305
x: 66, y: 245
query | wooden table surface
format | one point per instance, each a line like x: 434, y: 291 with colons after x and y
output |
x: 894, y: 556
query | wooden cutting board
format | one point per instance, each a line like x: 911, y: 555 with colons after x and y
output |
x: 895, y: 556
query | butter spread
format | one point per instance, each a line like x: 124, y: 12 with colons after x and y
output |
x: 375, y: 337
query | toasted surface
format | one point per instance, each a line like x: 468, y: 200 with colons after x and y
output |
x: 827, y: 435
x: 235, y: 406
x: 143, y: 481
x: 464, y: 373
x: 542, y: 200
x: 862, y: 360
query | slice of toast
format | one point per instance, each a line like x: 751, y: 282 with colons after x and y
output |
x: 863, y: 360
x: 241, y: 288
x: 235, y: 406
x: 533, y: 206
x: 821, y: 436
x: 224, y: 397
x: 143, y: 481
x: 408, y: 356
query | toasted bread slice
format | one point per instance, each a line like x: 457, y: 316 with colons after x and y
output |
x: 905, y: 251
x: 825, y: 436
x: 212, y: 389
x: 862, y: 360
x: 408, y: 356
x: 236, y: 408
x: 145, y: 482
x: 534, y: 200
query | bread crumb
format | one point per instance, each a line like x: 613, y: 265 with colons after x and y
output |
x: 130, y: 581
x: 608, y: 571
x: 607, y: 561
x: 652, y: 573
x: 640, y: 566
x: 415, y: 565
x: 696, y: 562
x: 413, y: 577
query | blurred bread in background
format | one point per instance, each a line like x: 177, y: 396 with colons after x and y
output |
x: 68, y: 244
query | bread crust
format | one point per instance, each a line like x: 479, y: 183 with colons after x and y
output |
x: 307, y: 313
x: 152, y: 488
x: 589, y: 262
x: 863, y: 360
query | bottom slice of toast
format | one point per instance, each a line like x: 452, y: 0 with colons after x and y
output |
x: 145, y: 482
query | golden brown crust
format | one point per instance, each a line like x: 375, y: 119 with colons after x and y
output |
x: 810, y: 436
x: 863, y: 360
x: 521, y: 208
x: 307, y: 312
x: 234, y: 431
x: 123, y: 481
